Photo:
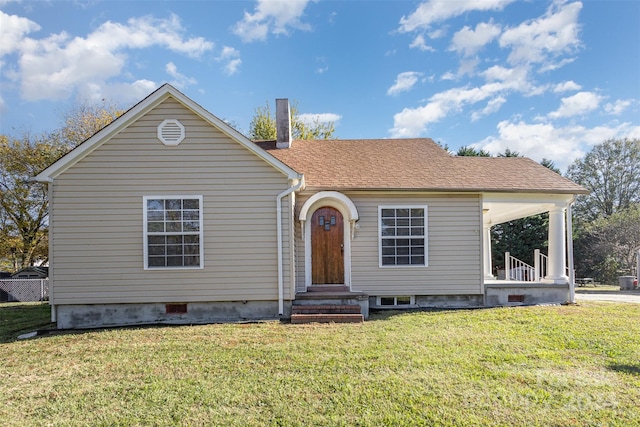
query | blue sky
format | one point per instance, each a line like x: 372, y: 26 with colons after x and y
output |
x: 549, y: 79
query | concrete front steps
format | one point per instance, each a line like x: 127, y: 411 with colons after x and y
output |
x: 329, y: 304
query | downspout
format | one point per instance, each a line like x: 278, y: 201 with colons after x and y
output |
x: 279, y: 198
x: 572, y: 273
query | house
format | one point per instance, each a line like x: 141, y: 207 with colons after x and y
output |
x: 33, y: 272
x: 169, y: 215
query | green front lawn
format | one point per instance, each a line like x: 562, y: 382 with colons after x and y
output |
x: 553, y: 365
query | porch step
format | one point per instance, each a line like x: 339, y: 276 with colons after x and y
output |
x: 328, y: 288
x: 326, y: 318
x: 326, y: 313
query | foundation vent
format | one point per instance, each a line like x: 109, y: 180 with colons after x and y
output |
x: 171, y: 132
x: 175, y: 308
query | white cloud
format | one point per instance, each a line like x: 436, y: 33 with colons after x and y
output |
x: 180, y: 80
x: 433, y: 11
x: 420, y: 43
x: 404, y: 82
x: 273, y: 16
x: 492, y: 106
x: 123, y: 92
x: 468, y: 42
x: 561, y: 144
x: 311, y: 118
x: 618, y: 107
x: 13, y: 29
x: 543, y: 39
x: 566, y: 86
x: 580, y: 103
x: 231, y: 58
x: 57, y: 66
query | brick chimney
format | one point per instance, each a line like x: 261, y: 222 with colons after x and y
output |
x: 283, y: 123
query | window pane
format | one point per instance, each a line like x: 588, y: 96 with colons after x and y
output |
x: 417, y: 213
x: 156, y: 262
x: 155, y: 216
x: 174, y: 261
x: 417, y: 260
x: 403, y: 260
x: 388, y: 260
x: 402, y: 231
x: 174, y: 250
x: 174, y: 240
x: 417, y: 250
x: 192, y: 239
x: 417, y: 222
x: 190, y: 215
x: 174, y: 227
x: 388, y: 242
x: 173, y: 204
x: 157, y: 240
x: 402, y: 222
x: 155, y: 205
x: 191, y: 204
x: 387, y: 301
x: 417, y: 231
x: 403, y: 300
x: 156, y: 250
x: 173, y: 215
x: 402, y: 242
x: 191, y: 249
x: 191, y: 226
x: 388, y: 251
x: 155, y: 227
x: 388, y: 213
x: 192, y: 261
x: 402, y: 213
x: 403, y: 250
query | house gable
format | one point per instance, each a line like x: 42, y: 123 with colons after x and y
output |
x: 162, y: 94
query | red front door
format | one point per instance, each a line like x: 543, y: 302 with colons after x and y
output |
x: 327, y: 247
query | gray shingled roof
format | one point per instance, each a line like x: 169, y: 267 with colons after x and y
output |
x: 413, y: 164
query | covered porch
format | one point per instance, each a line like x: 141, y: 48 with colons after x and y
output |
x: 549, y: 279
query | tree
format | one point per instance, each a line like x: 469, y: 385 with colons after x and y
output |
x: 263, y: 126
x: 610, y: 171
x: 469, y: 151
x: 608, y: 245
x: 83, y: 120
x: 23, y: 204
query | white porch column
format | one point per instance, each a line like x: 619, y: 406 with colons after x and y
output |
x: 486, y: 252
x: 557, y: 244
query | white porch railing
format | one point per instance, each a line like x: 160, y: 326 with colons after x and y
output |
x: 518, y: 270
x: 540, y: 264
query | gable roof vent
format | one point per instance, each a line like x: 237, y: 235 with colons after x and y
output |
x: 171, y: 132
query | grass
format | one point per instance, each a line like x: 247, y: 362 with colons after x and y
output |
x: 553, y: 365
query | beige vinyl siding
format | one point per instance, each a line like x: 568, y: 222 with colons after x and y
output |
x: 98, y: 223
x: 454, y: 247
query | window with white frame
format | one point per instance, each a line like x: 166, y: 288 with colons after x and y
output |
x: 173, y: 232
x: 395, y: 301
x: 403, y: 236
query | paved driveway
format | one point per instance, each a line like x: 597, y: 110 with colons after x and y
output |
x: 613, y: 296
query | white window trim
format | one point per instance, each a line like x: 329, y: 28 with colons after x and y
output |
x: 426, y: 236
x: 412, y: 301
x: 145, y: 233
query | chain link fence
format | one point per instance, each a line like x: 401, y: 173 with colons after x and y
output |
x: 24, y: 290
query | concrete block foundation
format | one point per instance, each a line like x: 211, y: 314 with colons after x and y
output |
x: 106, y: 315
x: 512, y: 294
